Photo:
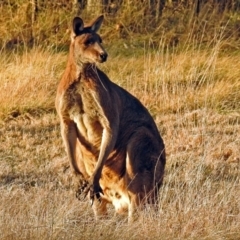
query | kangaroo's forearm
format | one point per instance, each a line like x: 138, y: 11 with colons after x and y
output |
x: 69, y: 136
x: 107, y: 145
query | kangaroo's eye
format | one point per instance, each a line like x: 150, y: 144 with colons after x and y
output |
x: 100, y: 40
x: 89, y: 42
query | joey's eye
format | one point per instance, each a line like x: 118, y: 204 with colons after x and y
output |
x: 100, y: 40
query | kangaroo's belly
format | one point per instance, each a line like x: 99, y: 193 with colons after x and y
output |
x: 89, y: 130
x: 89, y: 137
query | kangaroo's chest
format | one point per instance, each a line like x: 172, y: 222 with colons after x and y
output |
x: 85, y: 111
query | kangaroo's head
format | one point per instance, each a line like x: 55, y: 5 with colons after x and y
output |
x: 86, y: 43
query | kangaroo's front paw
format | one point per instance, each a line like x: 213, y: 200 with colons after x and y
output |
x: 94, y: 190
x: 81, y: 188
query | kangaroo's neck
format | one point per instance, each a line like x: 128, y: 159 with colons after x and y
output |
x: 77, y: 70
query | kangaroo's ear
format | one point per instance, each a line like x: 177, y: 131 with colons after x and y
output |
x: 77, y: 26
x: 97, y: 23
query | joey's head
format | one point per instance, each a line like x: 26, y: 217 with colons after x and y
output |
x: 86, y: 43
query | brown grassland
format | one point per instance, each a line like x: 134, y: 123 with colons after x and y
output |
x: 193, y: 92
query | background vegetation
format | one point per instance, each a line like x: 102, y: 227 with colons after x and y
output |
x: 181, y: 59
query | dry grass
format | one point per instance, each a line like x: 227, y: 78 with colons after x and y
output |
x: 194, y: 97
x: 29, y: 81
x: 199, y: 198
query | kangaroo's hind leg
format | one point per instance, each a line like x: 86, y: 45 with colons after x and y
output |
x: 144, y: 169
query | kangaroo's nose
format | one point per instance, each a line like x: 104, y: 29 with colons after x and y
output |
x: 103, y: 56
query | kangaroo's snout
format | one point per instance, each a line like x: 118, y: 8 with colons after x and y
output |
x: 103, y: 56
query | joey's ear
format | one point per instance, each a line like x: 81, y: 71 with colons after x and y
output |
x: 77, y: 26
x: 97, y: 23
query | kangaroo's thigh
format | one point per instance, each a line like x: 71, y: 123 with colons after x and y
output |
x: 144, y: 166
